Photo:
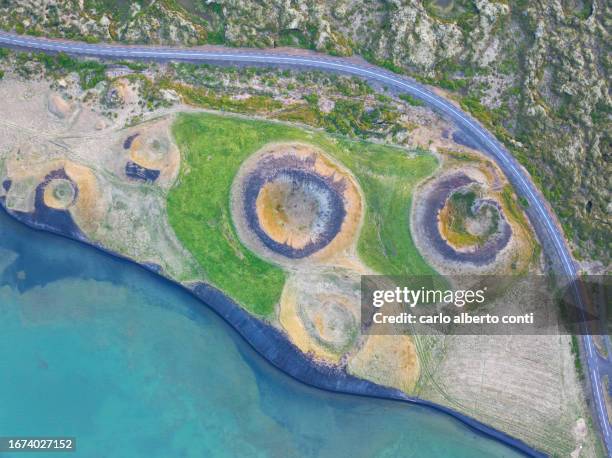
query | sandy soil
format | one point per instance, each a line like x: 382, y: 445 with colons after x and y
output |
x: 154, y: 149
x: 319, y: 310
x: 119, y: 213
x: 59, y: 194
x: 390, y: 360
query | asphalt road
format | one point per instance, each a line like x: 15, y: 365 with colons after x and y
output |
x: 540, y: 214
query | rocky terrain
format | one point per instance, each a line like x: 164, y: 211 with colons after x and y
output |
x: 103, y: 20
x: 535, y: 72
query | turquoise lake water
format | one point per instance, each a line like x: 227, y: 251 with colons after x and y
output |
x: 99, y: 349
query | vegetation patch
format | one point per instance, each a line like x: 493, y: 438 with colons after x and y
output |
x: 459, y: 212
x: 576, y: 354
x: 208, y: 99
x: 213, y: 148
x: 91, y: 72
x: 388, y: 177
x: 411, y: 100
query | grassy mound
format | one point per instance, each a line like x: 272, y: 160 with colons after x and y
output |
x: 455, y: 215
x: 213, y: 147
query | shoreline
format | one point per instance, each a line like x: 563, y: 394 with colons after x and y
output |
x: 271, y: 344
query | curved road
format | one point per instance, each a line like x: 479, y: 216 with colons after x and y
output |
x: 540, y: 214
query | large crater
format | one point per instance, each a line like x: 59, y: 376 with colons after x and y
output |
x: 460, y: 226
x: 294, y: 212
x: 292, y: 202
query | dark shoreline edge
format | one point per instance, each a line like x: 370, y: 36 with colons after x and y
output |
x: 272, y: 344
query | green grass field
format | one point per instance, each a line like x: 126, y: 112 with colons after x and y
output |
x: 213, y: 147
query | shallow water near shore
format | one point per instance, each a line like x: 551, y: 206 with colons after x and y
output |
x: 98, y: 349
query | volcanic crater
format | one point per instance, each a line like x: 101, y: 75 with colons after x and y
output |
x: 293, y: 201
x: 437, y: 227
